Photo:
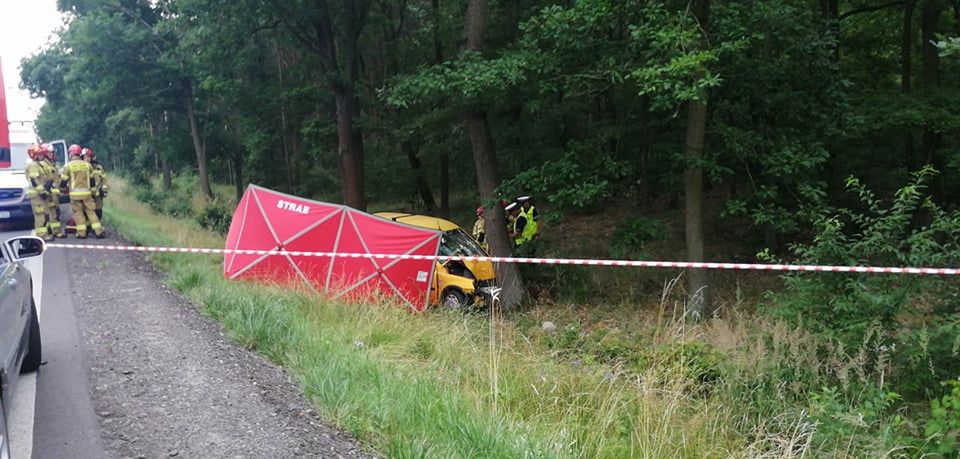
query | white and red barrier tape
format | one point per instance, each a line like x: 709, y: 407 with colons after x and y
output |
x: 538, y: 261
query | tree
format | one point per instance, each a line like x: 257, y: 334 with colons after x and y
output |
x: 333, y: 34
x: 485, y: 161
x: 698, y: 280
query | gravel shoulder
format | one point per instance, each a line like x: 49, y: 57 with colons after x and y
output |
x: 166, y: 381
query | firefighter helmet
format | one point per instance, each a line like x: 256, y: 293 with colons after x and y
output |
x: 88, y: 153
x: 33, y: 150
x: 74, y: 150
x: 480, y: 211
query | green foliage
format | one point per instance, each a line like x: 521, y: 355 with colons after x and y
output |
x: 632, y: 234
x: 943, y: 427
x: 573, y: 182
x: 915, y: 319
x: 148, y: 195
x: 909, y: 231
x: 469, y: 80
x: 949, y: 46
x: 871, y: 425
x: 215, y: 216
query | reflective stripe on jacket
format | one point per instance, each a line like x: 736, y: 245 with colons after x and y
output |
x: 77, y: 174
x: 50, y: 175
x: 35, y: 177
x: 99, y: 178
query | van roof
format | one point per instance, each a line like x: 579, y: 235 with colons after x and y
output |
x: 423, y: 221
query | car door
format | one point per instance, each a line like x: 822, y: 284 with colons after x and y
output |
x: 13, y: 319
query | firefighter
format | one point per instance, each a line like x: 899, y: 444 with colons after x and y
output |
x: 99, y: 181
x: 37, y: 191
x: 49, y: 163
x: 478, y: 229
x: 78, y: 175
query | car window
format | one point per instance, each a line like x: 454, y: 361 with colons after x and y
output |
x: 457, y: 242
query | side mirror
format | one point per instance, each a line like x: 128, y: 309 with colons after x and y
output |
x: 26, y: 247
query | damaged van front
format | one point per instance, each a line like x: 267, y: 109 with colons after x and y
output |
x: 456, y: 283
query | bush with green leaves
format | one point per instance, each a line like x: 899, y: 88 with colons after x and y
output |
x: 215, y: 216
x: 943, y: 428
x: 869, y: 424
x: 632, y: 234
x: 915, y: 317
x: 581, y: 178
x: 148, y: 195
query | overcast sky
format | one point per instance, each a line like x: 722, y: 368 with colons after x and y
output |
x: 25, y: 27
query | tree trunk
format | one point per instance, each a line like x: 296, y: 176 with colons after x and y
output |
x: 349, y: 146
x: 167, y: 176
x: 199, y: 146
x: 287, y: 153
x: 488, y: 176
x: 238, y: 182
x: 698, y: 302
x: 156, y: 155
x: 444, y: 184
x: 444, y: 155
x: 423, y: 189
x: 830, y: 9
x: 349, y: 136
x: 929, y: 26
x: 643, y: 183
x: 167, y: 182
x: 906, y: 75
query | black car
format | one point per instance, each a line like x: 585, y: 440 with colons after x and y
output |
x: 19, y: 324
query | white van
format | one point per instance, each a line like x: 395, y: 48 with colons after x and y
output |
x: 15, y: 209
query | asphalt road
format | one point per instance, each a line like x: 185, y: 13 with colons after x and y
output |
x: 56, y: 398
x: 133, y: 370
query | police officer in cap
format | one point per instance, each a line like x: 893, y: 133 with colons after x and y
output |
x: 530, y: 229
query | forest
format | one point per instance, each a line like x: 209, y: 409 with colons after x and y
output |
x: 820, y: 132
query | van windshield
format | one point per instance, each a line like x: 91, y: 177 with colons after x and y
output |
x: 458, y: 243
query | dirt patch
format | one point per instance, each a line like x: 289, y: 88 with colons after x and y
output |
x: 167, y: 382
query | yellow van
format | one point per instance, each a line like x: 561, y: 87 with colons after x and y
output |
x: 456, y: 284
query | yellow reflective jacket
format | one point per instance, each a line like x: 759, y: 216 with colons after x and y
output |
x: 99, y: 181
x: 77, y: 174
x: 532, y: 227
x: 36, y: 176
x: 52, y: 175
x: 478, y: 232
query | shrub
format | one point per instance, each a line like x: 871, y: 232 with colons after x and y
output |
x: 579, y: 179
x: 151, y: 197
x: 215, y: 216
x: 910, y: 230
x: 177, y: 207
x: 943, y: 427
x: 868, y: 425
x: 632, y: 234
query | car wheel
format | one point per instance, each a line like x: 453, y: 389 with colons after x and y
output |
x: 4, y: 438
x: 454, y: 299
x: 34, y: 353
